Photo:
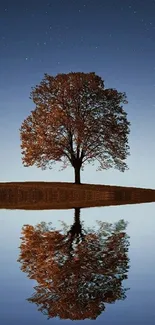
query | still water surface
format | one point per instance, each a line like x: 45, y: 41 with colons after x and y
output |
x: 138, y: 304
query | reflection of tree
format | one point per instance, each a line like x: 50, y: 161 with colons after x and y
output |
x: 74, y: 235
x: 76, y: 285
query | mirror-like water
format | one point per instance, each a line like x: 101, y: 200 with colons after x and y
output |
x: 93, y: 263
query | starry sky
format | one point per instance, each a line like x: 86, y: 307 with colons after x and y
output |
x: 114, y: 39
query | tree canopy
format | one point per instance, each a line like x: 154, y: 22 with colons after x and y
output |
x: 75, y: 286
x: 75, y: 121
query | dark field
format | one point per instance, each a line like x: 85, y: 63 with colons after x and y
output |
x: 57, y: 195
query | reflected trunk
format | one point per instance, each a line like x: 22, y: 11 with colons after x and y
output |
x: 75, y: 233
x: 76, y: 229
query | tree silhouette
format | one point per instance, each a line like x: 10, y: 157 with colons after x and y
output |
x: 75, y: 286
x: 75, y: 120
x: 74, y: 235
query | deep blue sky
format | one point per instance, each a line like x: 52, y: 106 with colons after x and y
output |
x: 115, y: 39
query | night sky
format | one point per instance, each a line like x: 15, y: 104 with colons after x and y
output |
x: 114, y: 39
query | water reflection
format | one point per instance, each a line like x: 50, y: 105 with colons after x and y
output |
x: 78, y: 270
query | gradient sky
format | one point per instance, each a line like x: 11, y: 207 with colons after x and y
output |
x: 115, y: 39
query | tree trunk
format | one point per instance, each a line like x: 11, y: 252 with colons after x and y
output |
x: 77, y: 215
x: 77, y: 175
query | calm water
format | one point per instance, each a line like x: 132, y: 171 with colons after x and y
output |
x: 138, y: 307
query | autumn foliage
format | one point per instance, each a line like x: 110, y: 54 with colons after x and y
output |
x: 75, y: 286
x: 75, y: 120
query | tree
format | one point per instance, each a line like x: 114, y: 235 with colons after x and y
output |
x: 75, y: 286
x: 75, y: 120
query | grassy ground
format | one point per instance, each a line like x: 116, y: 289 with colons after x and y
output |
x: 63, y: 195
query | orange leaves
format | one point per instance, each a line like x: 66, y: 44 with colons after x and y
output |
x: 75, y: 104
x: 78, y: 287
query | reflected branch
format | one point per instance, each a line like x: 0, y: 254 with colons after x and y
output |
x: 77, y: 271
